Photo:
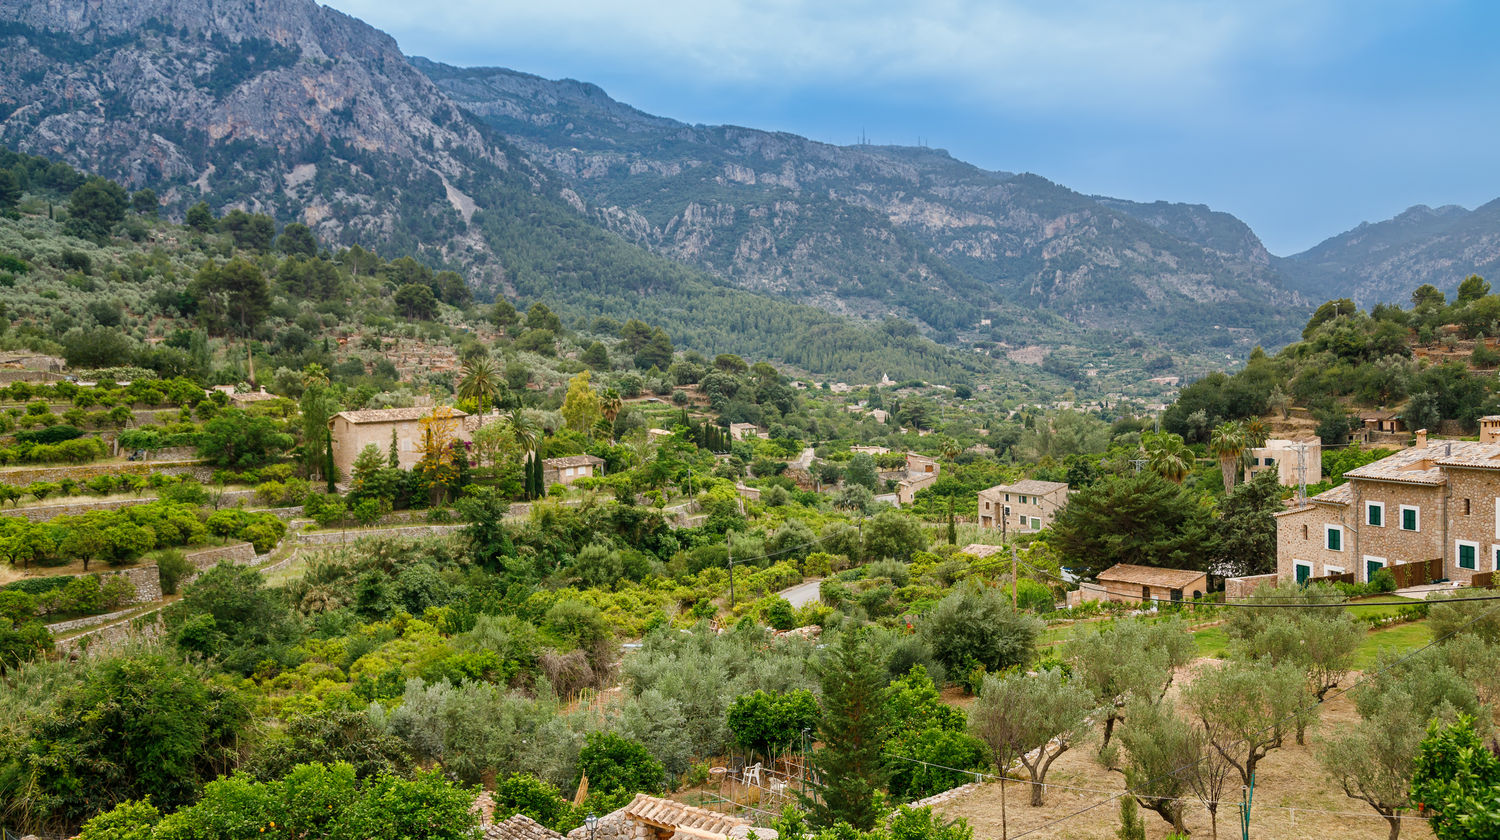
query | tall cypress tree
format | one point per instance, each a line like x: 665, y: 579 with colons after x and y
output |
x: 849, y: 770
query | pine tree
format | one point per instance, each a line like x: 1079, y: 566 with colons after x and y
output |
x: 849, y: 769
x: 393, y: 458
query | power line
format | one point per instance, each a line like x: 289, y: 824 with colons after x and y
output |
x: 980, y: 773
x: 1245, y: 604
x: 1278, y: 723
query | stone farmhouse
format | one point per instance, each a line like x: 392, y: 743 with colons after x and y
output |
x: 1437, y: 501
x: 570, y: 469
x: 352, y: 431
x: 1024, y: 507
x: 1293, y: 460
x: 1131, y: 584
x: 921, y: 471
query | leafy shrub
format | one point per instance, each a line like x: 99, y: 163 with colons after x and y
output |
x: 51, y: 434
x: 619, y: 765
x: 171, y: 567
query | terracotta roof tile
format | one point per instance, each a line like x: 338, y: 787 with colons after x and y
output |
x: 1150, y: 575
x: 393, y: 415
x: 573, y: 461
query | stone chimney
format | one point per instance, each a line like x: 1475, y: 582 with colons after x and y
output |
x: 1421, y: 438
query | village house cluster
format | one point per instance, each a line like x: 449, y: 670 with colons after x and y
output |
x: 1438, y: 502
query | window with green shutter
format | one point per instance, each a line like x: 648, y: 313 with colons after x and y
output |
x: 1335, y: 539
x: 1410, y: 518
x: 1375, y: 514
x: 1468, y: 556
x: 1304, y: 572
x: 1371, y: 567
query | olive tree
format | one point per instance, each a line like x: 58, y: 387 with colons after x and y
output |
x: 1033, y: 719
x: 1245, y: 709
x: 1131, y: 658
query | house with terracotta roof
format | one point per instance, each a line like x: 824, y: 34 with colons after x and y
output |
x: 1129, y: 583
x: 1023, y: 507
x: 352, y: 431
x: 1437, y: 501
x: 570, y: 469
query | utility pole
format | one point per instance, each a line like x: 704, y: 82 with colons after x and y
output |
x: 729, y: 553
x: 1301, y: 474
x: 1138, y: 463
x: 1015, y: 579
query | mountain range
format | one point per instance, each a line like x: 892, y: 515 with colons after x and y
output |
x: 732, y: 238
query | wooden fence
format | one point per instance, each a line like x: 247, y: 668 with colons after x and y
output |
x: 1418, y: 573
x: 1484, y: 580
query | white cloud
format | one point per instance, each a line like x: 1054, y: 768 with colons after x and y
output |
x: 1005, y: 52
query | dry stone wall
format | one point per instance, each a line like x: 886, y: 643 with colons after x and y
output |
x: 43, y: 513
x: 21, y: 476
x: 144, y: 627
x: 330, y: 537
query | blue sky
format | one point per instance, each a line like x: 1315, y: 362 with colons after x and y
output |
x: 1302, y: 118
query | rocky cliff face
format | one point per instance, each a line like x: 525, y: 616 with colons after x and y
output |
x: 883, y: 229
x: 280, y: 106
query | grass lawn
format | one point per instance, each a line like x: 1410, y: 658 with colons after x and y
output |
x: 1397, y: 638
x: 1360, y: 611
x: 1212, y: 642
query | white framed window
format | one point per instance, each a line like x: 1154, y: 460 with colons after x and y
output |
x: 1411, y: 518
x: 1372, y: 565
x: 1375, y: 514
x: 1495, y: 558
x: 1333, y: 537
x: 1301, y: 570
x: 1497, y: 517
x: 1466, y: 553
x: 1333, y: 570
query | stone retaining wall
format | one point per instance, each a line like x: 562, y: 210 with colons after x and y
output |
x: 43, y: 513
x: 951, y: 793
x: 21, y: 476
x: 147, y: 582
x: 240, y: 554
x: 329, y: 537
x: 148, y: 626
x: 1242, y: 587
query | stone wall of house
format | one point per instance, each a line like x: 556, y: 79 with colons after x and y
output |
x: 1388, y: 541
x: 612, y: 826
x: 1300, y: 537
x: 1473, y: 517
x: 22, y: 476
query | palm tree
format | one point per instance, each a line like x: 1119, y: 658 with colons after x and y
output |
x: 1256, y: 433
x: 949, y: 448
x: 524, y: 428
x: 1168, y: 456
x: 1227, y: 443
x: 611, y: 404
x: 479, y: 380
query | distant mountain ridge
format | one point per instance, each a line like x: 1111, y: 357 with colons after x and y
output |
x: 1382, y: 262
x: 552, y: 189
x: 877, y: 229
x: 297, y: 110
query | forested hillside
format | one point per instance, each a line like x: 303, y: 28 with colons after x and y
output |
x: 1382, y: 262
x: 1433, y: 364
